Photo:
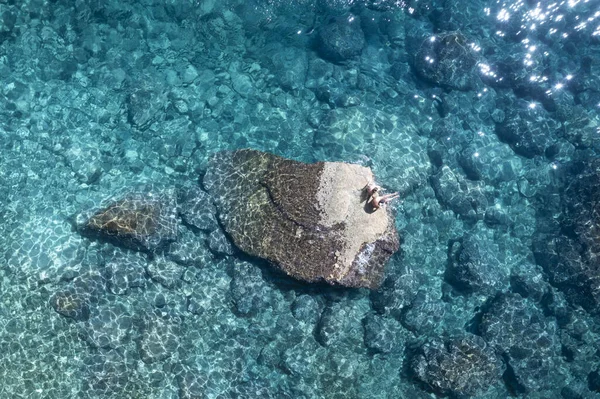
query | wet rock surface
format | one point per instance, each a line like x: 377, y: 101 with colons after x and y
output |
x: 249, y: 292
x: 125, y: 272
x: 459, y: 366
x: 197, y: 209
x: 160, y: 340
x: 165, y: 272
x: 464, y: 197
x: 569, y: 252
x: 310, y: 220
x: 144, y: 219
x: 528, y: 132
x: 71, y: 304
x: 528, y: 340
x: 473, y: 265
x: 342, y: 38
x: 447, y: 59
x: 383, y: 334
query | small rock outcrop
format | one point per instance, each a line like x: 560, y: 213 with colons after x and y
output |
x: 461, y: 366
x: 144, y: 219
x: 70, y: 304
x: 310, y: 220
x: 528, y: 132
x: 341, y: 39
x: 448, y: 60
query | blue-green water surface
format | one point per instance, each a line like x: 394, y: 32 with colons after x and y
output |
x: 483, y: 115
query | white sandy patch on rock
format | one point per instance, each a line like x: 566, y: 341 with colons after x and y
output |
x: 341, y: 199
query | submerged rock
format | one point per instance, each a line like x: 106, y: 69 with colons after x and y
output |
x: 462, y: 366
x: 249, y: 291
x: 528, y: 132
x: 143, y: 220
x: 448, y: 60
x: 310, y: 220
x: 341, y: 39
x: 160, y: 340
x: 473, y: 266
x: 144, y: 107
x: 125, y: 271
x: 71, y: 304
x: 569, y: 250
x: 527, y: 340
x: 463, y: 197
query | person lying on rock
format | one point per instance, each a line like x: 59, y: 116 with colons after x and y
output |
x: 370, y: 188
x: 376, y: 200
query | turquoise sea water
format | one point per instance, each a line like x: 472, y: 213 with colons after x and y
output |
x: 483, y: 115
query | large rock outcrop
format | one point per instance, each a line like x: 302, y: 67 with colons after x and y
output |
x: 310, y: 220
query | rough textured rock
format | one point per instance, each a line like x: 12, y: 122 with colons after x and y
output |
x: 249, y: 291
x: 218, y: 242
x: 143, y: 107
x: 290, y: 66
x: 306, y: 308
x: 76, y: 300
x: 460, y: 366
x: 383, y: 334
x: 165, y: 272
x: 144, y: 219
x: 311, y: 220
x: 395, y: 294
x: 340, y: 326
x: 341, y: 39
x: 528, y: 340
x: 125, y: 271
x: 447, y: 59
x: 473, y: 265
x: 104, y: 374
x: 594, y: 381
x: 110, y: 326
x: 569, y: 253
x: 528, y: 132
x: 191, y: 385
x: 425, y: 314
x: 70, y: 304
x: 190, y: 249
x: 453, y: 191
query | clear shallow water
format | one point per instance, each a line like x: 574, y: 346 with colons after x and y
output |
x: 483, y: 115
